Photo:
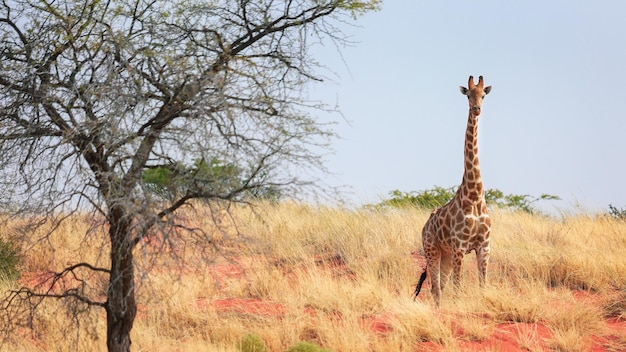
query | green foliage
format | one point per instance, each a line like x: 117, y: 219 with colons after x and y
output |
x: 617, y: 213
x: 358, y: 8
x: 428, y: 199
x: 159, y: 180
x: 212, y: 178
x: 523, y: 202
x: 438, y: 196
x: 9, y: 260
x: 306, y: 347
x: 251, y: 343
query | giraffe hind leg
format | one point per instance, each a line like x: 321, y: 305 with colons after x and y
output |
x: 435, y: 283
x: 446, y: 270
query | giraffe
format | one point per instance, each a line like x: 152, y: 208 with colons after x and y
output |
x: 462, y: 225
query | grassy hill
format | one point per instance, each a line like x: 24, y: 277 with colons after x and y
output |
x: 343, y: 280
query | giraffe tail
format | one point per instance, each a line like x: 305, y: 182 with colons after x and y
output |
x: 418, y: 287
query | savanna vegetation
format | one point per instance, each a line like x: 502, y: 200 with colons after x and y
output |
x: 287, y: 276
x: 438, y: 196
x: 146, y: 149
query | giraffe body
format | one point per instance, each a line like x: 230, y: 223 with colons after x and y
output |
x: 463, y: 224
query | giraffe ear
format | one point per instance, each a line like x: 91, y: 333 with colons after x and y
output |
x: 487, y: 90
x: 464, y: 90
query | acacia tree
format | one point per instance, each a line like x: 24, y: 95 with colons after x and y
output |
x: 93, y: 93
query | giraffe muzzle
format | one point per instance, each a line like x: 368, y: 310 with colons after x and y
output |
x: 476, y: 110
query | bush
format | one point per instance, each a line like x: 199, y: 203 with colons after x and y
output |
x: 428, y: 199
x: 523, y: 202
x: 306, y: 347
x: 438, y: 196
x: 251, y: 343
x: 617, y: 213
x: 9, y: 260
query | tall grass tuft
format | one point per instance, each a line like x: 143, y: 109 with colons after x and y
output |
x: 9, y: 260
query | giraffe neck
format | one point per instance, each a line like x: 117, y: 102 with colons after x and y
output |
x: 472, y: 185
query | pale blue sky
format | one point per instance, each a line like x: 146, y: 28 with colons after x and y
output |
x: 555, y: 121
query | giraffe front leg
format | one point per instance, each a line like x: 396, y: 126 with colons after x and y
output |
x: 482, y: 259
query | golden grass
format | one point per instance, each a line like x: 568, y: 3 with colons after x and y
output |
x: 343, y: 279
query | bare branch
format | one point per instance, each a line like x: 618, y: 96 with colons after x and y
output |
x: 95, y: 95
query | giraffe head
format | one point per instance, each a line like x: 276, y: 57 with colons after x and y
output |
x: 475, y: 94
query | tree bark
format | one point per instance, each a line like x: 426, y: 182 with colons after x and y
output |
x: 121, y: 307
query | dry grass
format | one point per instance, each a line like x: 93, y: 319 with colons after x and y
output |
x: 343, y: 279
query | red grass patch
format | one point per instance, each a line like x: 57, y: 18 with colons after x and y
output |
x: 615, y: 340
x: 378, y: 323
x: 246, y: 306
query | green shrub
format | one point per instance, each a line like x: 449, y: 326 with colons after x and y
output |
x: 9, y: 260
x: 306, y: 347
x: 523, y: 202
x: 438, y: 196
x: 617, y: 213
x: 251, y: 343
x: 428, y: 199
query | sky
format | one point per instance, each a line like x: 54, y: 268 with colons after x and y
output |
x: 554, y: 122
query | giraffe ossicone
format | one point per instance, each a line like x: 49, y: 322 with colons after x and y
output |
x: 462, y: 225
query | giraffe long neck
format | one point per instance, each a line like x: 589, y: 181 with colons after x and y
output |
x: 472, y: 185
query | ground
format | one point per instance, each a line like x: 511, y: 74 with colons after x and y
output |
x: 504, y: 337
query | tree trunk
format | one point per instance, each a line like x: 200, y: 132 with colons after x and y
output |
x: 121, y: 306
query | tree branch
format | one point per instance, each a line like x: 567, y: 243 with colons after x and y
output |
x: 52, y: 282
